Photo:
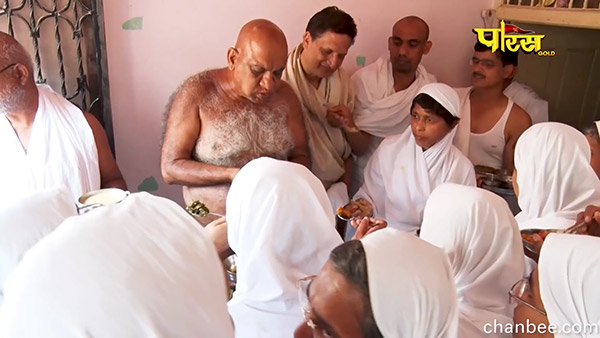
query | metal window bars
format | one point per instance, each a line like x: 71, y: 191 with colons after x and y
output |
x: 66, y: 41
x: 563, y: 4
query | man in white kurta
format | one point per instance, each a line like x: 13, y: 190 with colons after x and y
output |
x: 385, y: 89
x: 46, y: 140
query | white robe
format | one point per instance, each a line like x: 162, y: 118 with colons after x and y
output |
x: 481, y: 237
x: 139, y: 268
x: 411, y: 286
x: 281, y: 227
x: 61, y: 151
x: 568, y: 280
x: 529, y: 100
x: 380, y: 110
x: 400, y: 177
x: 25, y: 221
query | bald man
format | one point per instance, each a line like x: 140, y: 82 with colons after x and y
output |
x: 45, y: 140
x: 385, y: 89
x: 221, y: 119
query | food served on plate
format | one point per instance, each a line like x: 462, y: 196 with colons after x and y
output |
x: 528, y: 236
x: 357, y: 208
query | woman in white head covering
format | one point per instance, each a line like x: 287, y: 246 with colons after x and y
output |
x: 389, y: 284
x: 281, y: 227
x: 140, y: 268
x: 563, y: 291
x: 481, y: 237
x: 554, y: 178
x: 406, y: 168
x: 27, y: 220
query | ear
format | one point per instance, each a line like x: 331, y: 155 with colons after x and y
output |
x: 508, y: 71
x: 232, y: 56
x: 306, y: 39
x: 22, y: 73
x: 390, y: 43
x: 427, y: 48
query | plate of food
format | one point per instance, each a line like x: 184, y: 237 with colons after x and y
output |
x: 355, y: 209
x: 532, y: 241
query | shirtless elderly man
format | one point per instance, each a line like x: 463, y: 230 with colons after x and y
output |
x: 221, y: 119
x: 46, y: 140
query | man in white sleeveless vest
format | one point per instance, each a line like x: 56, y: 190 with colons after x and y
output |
x: 386, y: 88
x: 46, y: 140
x: 528, y: 99
x: 490, y: 122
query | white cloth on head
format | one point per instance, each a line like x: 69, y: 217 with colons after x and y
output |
x: 554, y: 175
x: 569, y: 279
x: 282, y: 229
x: 411, y: 286
x: 482, y: 239
x: 529, y: 100
x: 328, y: 145
x: 139, y: 268
x: 463, y: 130
x: 27, y: 220
x: 61, y: 151
x: 400, y: 176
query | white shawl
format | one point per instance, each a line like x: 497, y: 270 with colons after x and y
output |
x: 25, y: 221
x: 281, y: 227
x: 328, y: 146
x: 529, y: 100
x: 411, y: 286
x: 400, y: 176
x: 61, y: 151
x: 481, y: 237
x: 569, y: 279
x: 140, y: 268
x: 554, y: 175
x: 463, y: 130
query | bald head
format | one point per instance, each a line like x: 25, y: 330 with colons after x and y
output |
x: 413, y: 23
x: 11, y: 52
x: 263, y: 33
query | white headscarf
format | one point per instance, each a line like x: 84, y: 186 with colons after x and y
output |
x: 481, y: 237
x: 140, y: 268
x: 554, y: 175
x: 400, y: 176
x: 569, y: 277
x: 411, y: 286
x: 25, y: 221
x: 281, y: 227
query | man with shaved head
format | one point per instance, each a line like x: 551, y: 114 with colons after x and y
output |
x: 46, y: 141
x: 385, y: 89
x: 220, y: 119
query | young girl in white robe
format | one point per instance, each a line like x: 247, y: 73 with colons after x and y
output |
x: 406, y: 168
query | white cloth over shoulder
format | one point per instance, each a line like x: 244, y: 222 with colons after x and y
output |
x: 481, y: 237
x: 379, y: 109
x: 328, y: 146
x: 411, y: 286
x: 529, y: 100
x: 25, y: 221
x: 554, y: 175
x: 400, y: 176
x: 569, y: 279
x: 61, y: 151
x: 463, y: 130
x: 139, y: 268
x: 281, y: 227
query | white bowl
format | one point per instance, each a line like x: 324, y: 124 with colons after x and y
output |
x: 103, y: 197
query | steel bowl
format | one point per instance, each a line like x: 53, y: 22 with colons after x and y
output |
x: 230, y: 265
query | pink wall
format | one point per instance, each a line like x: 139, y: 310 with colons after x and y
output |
x: 180, y: 38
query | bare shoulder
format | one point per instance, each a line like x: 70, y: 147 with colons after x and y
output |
x: 93, y: 122
x: 197, y: 86
x: 518, y: 121
x: 286, y: 94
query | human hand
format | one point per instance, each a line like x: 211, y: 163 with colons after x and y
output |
x: 590, y: 213
x: 342, y: 118
x: 356, y: 209
x: 217, y: 231
x: 366, y: 226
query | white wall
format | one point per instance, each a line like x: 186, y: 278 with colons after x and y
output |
x: 181, y: 37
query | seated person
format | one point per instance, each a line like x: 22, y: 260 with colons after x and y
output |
x: 281, y: 227
x: 385, y: 89
x: 389, y: 284
x: 327, y: 97
x: 490, y: 121
x: 593, y: 138
x: 526, y: 98
x: 480, y: 235
x: 221, y: 119
x: 406, y: 168
x: 140, y: 268
x: 562, y: 291
x: 25, y: 221
x: 47, y: 141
